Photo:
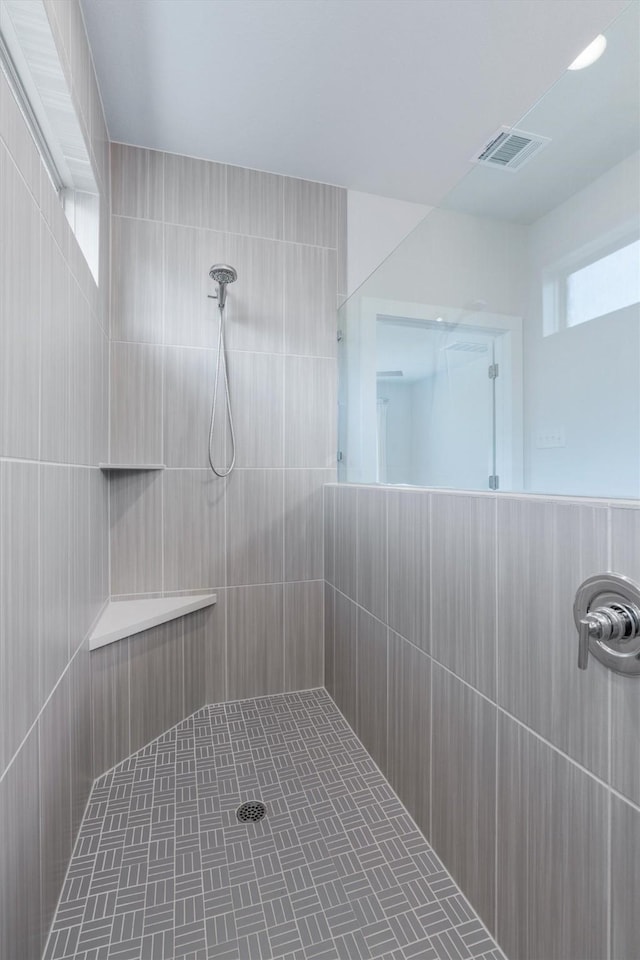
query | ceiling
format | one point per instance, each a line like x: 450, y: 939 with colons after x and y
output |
x: 592, y: 118
x: 389, y: 97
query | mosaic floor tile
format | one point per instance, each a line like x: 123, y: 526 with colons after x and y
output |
x: 336, y: 870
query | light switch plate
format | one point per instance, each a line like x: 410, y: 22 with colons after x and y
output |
x: 553, y: 437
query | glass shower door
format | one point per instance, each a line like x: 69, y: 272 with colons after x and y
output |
x: 435, y: 404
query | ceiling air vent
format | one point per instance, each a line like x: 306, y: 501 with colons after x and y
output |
x: 510, y: 149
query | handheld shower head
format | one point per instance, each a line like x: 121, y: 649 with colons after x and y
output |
x: 223, y: 274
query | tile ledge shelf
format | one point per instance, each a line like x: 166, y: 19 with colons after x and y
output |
x: 131, y: 466
x: 124, y: 618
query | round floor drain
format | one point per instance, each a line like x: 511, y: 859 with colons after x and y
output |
x: 252, y: 811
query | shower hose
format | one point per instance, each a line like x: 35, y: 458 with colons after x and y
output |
x: 221, y: 370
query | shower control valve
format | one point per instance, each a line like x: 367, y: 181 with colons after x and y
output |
x: 607, y: 616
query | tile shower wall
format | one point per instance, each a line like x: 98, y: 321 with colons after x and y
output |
x: 255, y: 538
x: 53, y: 502
x: 450, y: 647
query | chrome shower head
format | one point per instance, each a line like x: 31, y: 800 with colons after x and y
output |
x: 223, y: 274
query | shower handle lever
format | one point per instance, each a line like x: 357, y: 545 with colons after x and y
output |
x: 607, y: 616
x: 594, y: 626
x: 617, y: 623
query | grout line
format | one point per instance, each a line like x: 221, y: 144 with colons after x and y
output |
x: 505, y: 712
x: 496, y: 682
x: 388, y: 632
x: 56, y: 463
x: 44, y: 705
x: 430, y: 535
x: 227, y: 232
x: 285, y: 446
x: 213, y: 350
x: 610, y: 681
x: 596, y: 502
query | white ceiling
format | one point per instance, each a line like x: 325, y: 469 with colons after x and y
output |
x: 592, y: 117
x: 389, y: 97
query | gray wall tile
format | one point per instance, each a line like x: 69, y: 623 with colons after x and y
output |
x: 329, y: 547
x: 136, y: 403
x: 98, y: 545
x: 254, y: 203
x: 371, y: 710
x: 55, y: 394
x: 194, y: 192
x: 310, y: 301
x: 552, y: 852
x: 310, y: 412
x: 20, y: 930
x: 255, y: 527
x: 341, y: 242
x: 196, y: 638
x: 372, y: 552
x: 80, y: 734
x: 83, y: 340
x: 409, y: 572
x: 546, y: 549
x: 345, y: 642
x: 329, y: 641
x: 190, y: 318
x: 303, y: 523
x: 625, y: 692
x: 346, y: 526
x: 310, y: 212
x: 255, y: 302
x: 156, y: 676
x: 136, y: 280
x: 18, y: 140
x: 194, y: 538
x: 110, y: 705
x: 212, y: 623
x: 53, y: 528
x: 303, y: 635
x: 55, y: 799
x: 255, y: 501
x: 255, y: 655
x: 55, y: 573
x: 625, y: 726
x: 136, y: 532
x: 19, y: 602
x: 625, y: 879
x: 80, y: 556
x: 464, y: 788
x: 463, y: 587
x: 256, y: 382
x: 136, y: 182
x: 20, y: 312
x: 187, y: 400
x: 409, y: 741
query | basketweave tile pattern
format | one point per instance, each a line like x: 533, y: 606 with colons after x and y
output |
x: 337, y: 870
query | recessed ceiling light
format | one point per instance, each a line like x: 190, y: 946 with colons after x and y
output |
x: 590, y: 54
x: 439, y: 319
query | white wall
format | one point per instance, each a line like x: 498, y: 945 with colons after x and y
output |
x: 583, y: 382
x: 399, y: 430
x: 376, y: 226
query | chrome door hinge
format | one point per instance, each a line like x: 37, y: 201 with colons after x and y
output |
x: 494, y: 371
x: 339, y: 456
x: 339, y: 336
x: 494, y: 482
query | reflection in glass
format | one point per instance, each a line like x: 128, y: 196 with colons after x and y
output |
x: 499, y: 345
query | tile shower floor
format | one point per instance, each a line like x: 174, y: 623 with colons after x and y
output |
x: 337, y: 869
